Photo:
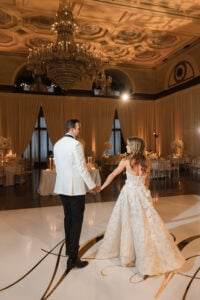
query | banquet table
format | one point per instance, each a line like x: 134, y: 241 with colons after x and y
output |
x: 48, y: 178
x: 11, y: 169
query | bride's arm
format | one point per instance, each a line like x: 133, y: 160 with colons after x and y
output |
x: 112, y: 175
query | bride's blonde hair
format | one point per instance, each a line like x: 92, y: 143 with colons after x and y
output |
x: 136, y: 155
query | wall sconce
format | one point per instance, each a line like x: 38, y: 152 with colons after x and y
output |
x: 155, y: 135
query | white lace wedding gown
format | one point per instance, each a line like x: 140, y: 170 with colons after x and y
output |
x: 137, y: 235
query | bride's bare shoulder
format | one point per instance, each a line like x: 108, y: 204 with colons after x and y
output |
x: 127, y: 163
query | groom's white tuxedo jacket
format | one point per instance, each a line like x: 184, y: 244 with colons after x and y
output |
x: 71, y: 170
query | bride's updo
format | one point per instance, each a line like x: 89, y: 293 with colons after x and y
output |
x: 136, y: 155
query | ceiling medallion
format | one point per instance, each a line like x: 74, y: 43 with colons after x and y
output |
x: 127, y: 37
x: 162, y: 40
x: 4, y: 38
x: 7, y: 21
x: 146, y: 55
x: 65, y: 61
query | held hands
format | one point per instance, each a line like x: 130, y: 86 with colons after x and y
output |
x: 96, y: 189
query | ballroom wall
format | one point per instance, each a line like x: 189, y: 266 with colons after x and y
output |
x: 173, y: 117
x: 176, y: 116
x: 144, y: 81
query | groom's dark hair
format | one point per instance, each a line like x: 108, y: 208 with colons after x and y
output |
x: 71, y: 124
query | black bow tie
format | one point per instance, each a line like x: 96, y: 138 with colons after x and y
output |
x: 68, y: 135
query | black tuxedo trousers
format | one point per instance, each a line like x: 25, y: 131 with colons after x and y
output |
x: 74, y: 207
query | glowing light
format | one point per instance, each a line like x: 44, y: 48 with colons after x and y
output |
x: 125, y: 96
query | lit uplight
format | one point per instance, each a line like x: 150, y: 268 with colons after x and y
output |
x: 125, y: 96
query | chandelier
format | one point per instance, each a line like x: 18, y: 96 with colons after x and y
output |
x: 64, y: 61
x: 103, y: 82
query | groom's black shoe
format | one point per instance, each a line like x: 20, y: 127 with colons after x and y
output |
x: 76, y: 263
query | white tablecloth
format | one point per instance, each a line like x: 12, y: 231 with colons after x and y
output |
x: 47, y: 182
x: 48, y: 178
x: 10, y: 174
x: 10, y: 171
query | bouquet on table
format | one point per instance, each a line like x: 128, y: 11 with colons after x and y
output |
x: 177, y: 147
x: 5, y: 143
x: 152, y: 155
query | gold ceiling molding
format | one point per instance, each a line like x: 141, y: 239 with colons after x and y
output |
x: 140, y: 33
x: 4, y: 38
x: 6, y: 20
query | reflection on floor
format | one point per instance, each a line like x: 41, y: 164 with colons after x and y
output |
x: 32, y: 238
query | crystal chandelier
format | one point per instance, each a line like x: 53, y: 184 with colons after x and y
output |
x: 64, y: 61
x: 103, y: 82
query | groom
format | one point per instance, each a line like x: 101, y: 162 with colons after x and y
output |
x: 71, y: 176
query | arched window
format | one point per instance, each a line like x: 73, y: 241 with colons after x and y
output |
x: 116, y: 138
x: 40, y: 143
x: 26, y: 81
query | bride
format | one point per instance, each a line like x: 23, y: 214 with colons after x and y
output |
x: 135, y: 232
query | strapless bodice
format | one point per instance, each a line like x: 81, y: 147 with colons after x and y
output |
x: 133, y: 180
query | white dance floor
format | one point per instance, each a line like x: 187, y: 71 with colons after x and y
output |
x: 32, y: 260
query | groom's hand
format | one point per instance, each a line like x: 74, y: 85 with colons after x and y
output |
x: 96, y: 189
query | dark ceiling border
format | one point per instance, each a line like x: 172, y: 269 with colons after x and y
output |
x: 89, y: 93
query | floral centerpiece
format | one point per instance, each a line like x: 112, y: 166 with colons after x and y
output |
x: 5, y: 143
x: 152, y: 155
x: 177, y: 147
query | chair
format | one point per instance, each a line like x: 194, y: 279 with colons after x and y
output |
x: 194, y: 167
x: 174, y: 167
x: 160, y: 169
x: 185, y: 166
x: 22, y: 171
x: 153, y: 169
x: 164, y: 169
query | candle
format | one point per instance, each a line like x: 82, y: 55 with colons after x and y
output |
x: 51, y: 163
x: 89, y: 159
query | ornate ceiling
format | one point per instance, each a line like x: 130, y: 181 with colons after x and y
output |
x: 131, y: 33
